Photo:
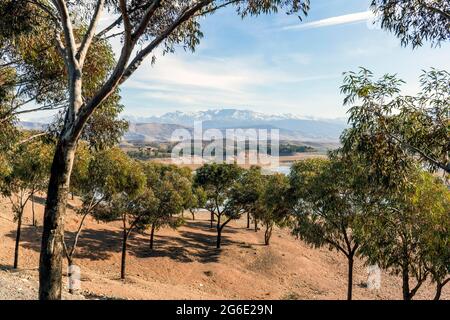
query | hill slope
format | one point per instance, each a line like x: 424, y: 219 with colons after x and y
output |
x: 185, y: 264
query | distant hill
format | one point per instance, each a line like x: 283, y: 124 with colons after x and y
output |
x: 291, y: 127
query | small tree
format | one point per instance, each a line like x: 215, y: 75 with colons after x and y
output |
x: 29, y: 171
x: 246, y: 193
x: 275, y: 207
x: 403, y: 233
x: 326, y: 203
x: 96, y: 180
x: 123, y: 193
x: 435, y: 244
x: 217, y: 181
x: 197, y: 200
x: 172, y: 188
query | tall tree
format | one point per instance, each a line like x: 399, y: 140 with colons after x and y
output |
x: 143, y: 26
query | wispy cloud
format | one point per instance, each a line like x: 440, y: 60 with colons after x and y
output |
x: 333, y: 21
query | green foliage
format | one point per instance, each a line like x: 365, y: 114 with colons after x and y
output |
x: 116, y: 180
x: 407, y: 232
x: 388, y: 130
x: 326, y: 202
x: 217, y: 179
x: 275, y: 209
x: 172, y: 188
x: 415, y: 21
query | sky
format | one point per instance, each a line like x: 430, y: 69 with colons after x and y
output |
x: 276, y: 64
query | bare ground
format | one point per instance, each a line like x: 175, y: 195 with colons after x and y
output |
x: 186, y: 265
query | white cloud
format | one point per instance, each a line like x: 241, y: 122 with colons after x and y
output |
x: 338, y: 20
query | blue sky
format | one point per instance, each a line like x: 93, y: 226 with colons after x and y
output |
x: 276, y: 64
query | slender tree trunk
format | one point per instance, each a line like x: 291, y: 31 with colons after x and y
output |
x: 219, y: 233
x: 268, y: 235
x: 152, y: 235
x: 212, y: 219
x: 405, y: 284
x: 350, y: 278
x: 124, y: 255
x: 248, y: 220
x: 33, y: 211
x: 439, y: 286
x: 193, y: 215
x: 18, y: 232
x: 50, y: 264
x: 70, y: 263
x: 256, y: 225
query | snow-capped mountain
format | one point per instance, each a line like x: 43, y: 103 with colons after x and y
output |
x: 188, y: 118
x: 291, y: 127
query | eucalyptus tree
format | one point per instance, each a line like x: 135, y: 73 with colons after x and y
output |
x: 197, y: 200
x: 97, y: 178
x: 247, y: 192
x: 119, y: 194
x: 218, y: 180
x: 275, y: 207
x: 389, y: 129
x: 407, y: 232
x: 415, y: 21
x: 28, y: 172
x: 172, y: 188
x: 328, y: 198
x: 142, y: 26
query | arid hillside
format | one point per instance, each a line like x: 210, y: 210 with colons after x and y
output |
x: 186, y: 265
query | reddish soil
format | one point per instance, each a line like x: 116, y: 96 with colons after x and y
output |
x: 186, y: 265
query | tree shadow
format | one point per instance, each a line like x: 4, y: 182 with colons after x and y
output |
x: 197, y: 244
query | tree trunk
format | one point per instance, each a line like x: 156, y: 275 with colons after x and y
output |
x: 212, y: 219
x: 19, y: 229
x: 32, y: 210
x: 438, y: 291
x: 69, y: 275
x: 268, y: 235
x: 193, y: 215
x: 405, y: 284
x: 439, y: 286
x: 248, y: 220
x: 256, y: 225
x: 152, y: 235
x: 350, y: 278
x: 124, y: 255
x: 50, y: 263
x: 219, y: 233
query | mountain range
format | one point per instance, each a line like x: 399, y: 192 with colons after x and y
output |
x: 291, y: 127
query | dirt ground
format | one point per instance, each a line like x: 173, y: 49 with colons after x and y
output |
x: 186, y: 265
